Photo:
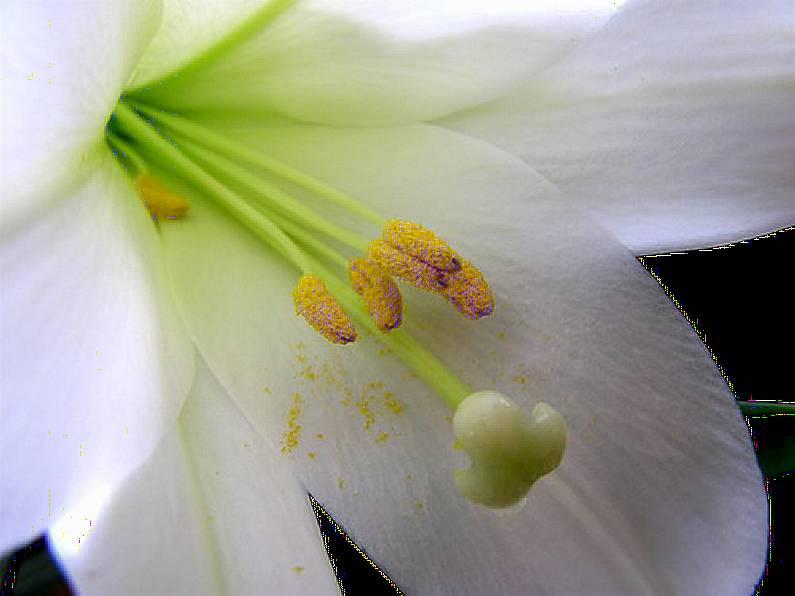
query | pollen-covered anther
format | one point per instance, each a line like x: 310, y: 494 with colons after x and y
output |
x: 408, y: 268
x: 316, y: 304
x: 161, y: 202
x: 379, y: 292
x: 421, y: 243
x: 469, y: 292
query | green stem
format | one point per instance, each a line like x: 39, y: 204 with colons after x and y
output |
x: 755, y: 408
x: 280, y: 200
x: 226, y: 146
x: 137, y: 163
x: 135, y: 127
x: 249, y: 27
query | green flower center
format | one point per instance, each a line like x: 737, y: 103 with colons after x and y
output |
x: 508, y: 452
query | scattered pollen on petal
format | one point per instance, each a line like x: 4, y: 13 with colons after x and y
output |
x: 161, y: 202
x: 291, y: 435
x: 421, y: 243
x: 395, y: 405
x: 405, y: 266
x: 382, y: 437
x: 316, y: 304
x: 379, y: 292
x: 469, y: 292
x: 366, y: 411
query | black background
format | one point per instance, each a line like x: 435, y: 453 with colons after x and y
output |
x: 738, y: 300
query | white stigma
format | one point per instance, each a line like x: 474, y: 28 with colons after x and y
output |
x: 509, y: 451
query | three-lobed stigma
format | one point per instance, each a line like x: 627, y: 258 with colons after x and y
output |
x: 509, y: 451
x: 161, y: 202
x: 379, y: 292
x: 321, y: 310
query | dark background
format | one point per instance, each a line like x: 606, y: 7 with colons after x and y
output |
x: 738, y: 301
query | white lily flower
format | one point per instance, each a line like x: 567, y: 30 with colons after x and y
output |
x: 164, y: 412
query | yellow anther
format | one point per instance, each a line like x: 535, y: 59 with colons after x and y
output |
x: 421, y: 243
x: 469, y: 292
x: 406, y: 267
x: 379, y: 292
x: 161, y: 202
x: 316, y: 304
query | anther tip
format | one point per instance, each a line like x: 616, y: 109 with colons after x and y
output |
x: 321, y: 310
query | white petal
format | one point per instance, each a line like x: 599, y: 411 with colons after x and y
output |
x: 64, y: 65
x: 673, y: 125
x: 213, y: 510
x: 361, y: 62
x: 95, y: 363
x: 659, y: 488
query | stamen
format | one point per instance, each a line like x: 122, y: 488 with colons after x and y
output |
x: 380, y: 293
x: 161, y: 202
x: 421, y: 243
x: 468, y: 291
x: 316, y: 304
x: 406, y: 267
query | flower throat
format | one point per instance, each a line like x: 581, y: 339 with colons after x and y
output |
x: 505, y: 464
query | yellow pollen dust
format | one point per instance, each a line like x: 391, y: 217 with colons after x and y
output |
x: 379, y: 292
x: 421, y: 243
x: 367, y: 413
x: 323, y: 313
x: 161, y: 202
x: 469, y: 292
x: 395, y: 405
x: 405, y: 266
x: 418, y: 256
x: 290, y: 437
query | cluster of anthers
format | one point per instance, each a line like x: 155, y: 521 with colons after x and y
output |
x: 409, y: 252
x: 509, y: 451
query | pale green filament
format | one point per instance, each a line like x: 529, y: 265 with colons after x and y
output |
x: 309, y: 241
x: 131, y: 124
x: 429, y: 368
x: 223, y: 145
x: 130, y: 155
x: 277, y: 199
